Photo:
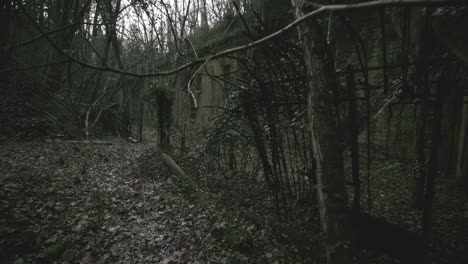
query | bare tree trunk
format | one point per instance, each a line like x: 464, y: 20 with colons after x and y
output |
x: 204, y: 14
x: 464, y: 154
x: 462, y: 150
x: 432, y: 168
x: 61, y: 15
x: 353, y: 138
x: 421, y: 24
x: 140, y: 125
x: 164, y: 119
x: 6, y: 17
x: 324, y: 126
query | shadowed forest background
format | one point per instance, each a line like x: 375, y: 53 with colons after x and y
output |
x: 233, y: 131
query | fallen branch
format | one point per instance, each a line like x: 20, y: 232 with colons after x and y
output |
x: 189, y: 186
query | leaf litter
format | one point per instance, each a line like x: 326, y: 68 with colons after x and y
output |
x: 88, y: 203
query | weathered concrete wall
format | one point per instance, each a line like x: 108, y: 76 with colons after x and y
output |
x: 214, y: 88
x: 211, y: 88
x: 392, y: 132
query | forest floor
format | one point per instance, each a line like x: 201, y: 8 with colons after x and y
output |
x: 89, y: 203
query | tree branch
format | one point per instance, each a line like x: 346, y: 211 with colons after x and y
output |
x: 204, y: 61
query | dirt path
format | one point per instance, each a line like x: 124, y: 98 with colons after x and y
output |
x: 71, y: 202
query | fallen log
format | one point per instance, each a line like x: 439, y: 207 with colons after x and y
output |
x: 189, y: 186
